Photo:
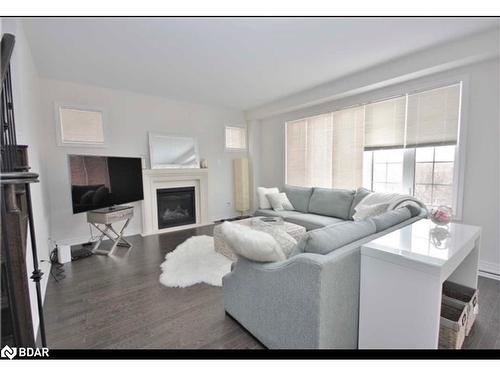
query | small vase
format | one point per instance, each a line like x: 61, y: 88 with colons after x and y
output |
x: 441, y: 215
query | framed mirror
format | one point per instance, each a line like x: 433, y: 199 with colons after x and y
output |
x: 168, y: 151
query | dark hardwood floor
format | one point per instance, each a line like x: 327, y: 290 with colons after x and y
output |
x: 118, y: 302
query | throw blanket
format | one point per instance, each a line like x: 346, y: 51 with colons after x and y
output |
x: 393, y: 200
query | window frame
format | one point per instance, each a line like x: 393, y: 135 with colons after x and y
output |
x: 235, y: 149
x: 407, y: 87
x: 408, y: 181
x: 59, y: 131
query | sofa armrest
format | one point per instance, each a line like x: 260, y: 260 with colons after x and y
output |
x: 285, y: 304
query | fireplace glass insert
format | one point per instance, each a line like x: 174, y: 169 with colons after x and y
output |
x: 176, y: 206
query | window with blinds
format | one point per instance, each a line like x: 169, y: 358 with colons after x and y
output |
x: 433, y: 117
x: 385, y: 124
x: 422, y: 145
x: 236, y: 138
x: 79, y: 126
x: 384, y: 146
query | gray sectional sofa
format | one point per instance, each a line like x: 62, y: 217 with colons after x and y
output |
x: 311, y: 300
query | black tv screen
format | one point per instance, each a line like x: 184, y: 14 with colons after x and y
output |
x: 104, y: 181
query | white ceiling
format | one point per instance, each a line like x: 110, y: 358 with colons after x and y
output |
x: 233, y: 62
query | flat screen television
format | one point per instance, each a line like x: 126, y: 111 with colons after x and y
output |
x: 104, y: 181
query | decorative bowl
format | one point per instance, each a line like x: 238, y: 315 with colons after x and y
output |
x: 441, y: 215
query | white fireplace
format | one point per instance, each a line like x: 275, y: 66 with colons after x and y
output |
x: 155, y: 180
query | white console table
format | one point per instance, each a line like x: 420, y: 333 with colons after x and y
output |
x: 401, y: 281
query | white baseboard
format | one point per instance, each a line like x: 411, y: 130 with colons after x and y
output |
x: 175, y: 229
x: 79, y: 240
x: 489, y: 269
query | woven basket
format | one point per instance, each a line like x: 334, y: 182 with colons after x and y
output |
x: 452, y: 324
x: 464, y: 295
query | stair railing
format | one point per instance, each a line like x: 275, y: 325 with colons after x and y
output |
x: 15, y: 179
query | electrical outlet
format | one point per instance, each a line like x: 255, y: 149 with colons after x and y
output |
x: 228, y: 204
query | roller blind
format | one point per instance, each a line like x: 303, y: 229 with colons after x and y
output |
x: 348, y: 134
x: 433, y: 117
x: 385, y: 124
x: 309, y: 151
x: 319, y: 151
x: 81, y: 126
x: 236, y: 138
x: 326, y: 150
x: 296, y: 140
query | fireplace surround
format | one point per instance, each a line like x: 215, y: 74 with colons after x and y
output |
x: 156, y: 181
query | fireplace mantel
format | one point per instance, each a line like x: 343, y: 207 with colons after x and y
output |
x: 154, y: 179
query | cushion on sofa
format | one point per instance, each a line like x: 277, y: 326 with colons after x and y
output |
x: 312, y: 221
x: 284, y: 214
x: 252, y: 244
x: 331, y: 202
x: 308, y: 221
x: 298, y: 196
x: 261, y: 194
x: 358, y: 197
x: 391, y: 218
x: 280, y: 202
x: 325, y: 240
x: 286, y: 241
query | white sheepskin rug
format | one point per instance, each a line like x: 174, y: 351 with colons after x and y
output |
x: 194, y: 261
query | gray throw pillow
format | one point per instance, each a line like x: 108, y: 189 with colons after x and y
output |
x: 391, y: 218
x: 331, y: 202
x: 325, y: 240
x: 298, y: 196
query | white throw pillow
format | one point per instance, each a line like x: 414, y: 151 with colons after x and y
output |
x: 286, y: 241
x: 363, y: 211
x: 279, y: 202
x: 261, y: 194
x: 252, y: 244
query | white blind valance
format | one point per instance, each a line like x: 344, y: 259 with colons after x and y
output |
x: 433, y: 117
x: 385, y: 124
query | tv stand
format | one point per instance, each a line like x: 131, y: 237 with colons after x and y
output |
x: 107, y: 217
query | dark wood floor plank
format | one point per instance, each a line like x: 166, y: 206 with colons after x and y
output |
x: 118, y: 302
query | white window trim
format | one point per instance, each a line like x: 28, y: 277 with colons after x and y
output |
x: 422, y: 84
x: 232, y: 149
x: 58, y: 125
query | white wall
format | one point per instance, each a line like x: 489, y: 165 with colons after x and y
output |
x: 129, y: 116
x: 481, y: 187
x: 26, y: 95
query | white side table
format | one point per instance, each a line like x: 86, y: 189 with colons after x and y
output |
x: 108, y: 217
x: 401, y: 281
